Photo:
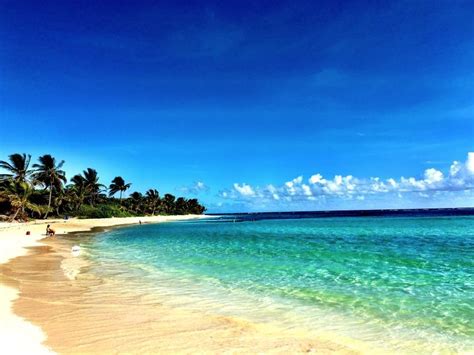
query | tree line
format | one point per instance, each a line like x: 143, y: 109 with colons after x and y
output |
x: 43, y: 190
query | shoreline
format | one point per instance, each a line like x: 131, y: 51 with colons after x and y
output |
x: 17, y: 334
x: 49, y: 290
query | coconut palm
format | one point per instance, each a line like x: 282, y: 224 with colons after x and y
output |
x: 136, y: 202
x: 169, y: 203
x: 50, y: 175
x: 153, y: 200
x: 77, y: 191
x: 118, y: 185
x: 62, y: 201
x: 17, y: 166
x: 78, y: 181
x: 91, y: 183
x: 19, y: 193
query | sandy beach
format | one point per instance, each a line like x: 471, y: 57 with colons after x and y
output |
x: 16, y: 334
x: 44, y: 309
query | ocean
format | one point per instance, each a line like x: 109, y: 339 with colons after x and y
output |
x: 398, y: 281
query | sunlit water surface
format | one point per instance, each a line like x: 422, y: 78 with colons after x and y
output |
x: 403, y: 284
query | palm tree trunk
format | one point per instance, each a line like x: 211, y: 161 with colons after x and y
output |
x: 16, y: 213
x: 49, y: 200
x: 120, y: 196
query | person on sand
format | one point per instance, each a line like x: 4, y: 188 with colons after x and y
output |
x: 50, y: 231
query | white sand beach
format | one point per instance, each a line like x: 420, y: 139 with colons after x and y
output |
x: 17, y: 335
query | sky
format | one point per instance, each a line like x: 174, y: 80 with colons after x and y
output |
x: 248, y: 105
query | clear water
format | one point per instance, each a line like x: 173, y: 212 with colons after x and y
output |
x: 404, y: 284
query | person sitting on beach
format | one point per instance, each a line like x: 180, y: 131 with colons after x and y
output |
x: 50, y: 231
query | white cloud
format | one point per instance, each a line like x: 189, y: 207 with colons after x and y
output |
x: 460, y: 177
x: 195, y: 188
x: 273, y: 191
x: 433, y: 176
x: 392, y: 183
x: 306, y: 190
x: 317, y: 178
x: 455, y: 168
x: 244, y: 189
x: 470, y: 162
x: 292, y: 186
x: 200, y: 185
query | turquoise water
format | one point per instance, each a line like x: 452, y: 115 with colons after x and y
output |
x: 404, y: 284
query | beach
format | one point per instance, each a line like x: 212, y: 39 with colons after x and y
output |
x: 45, y: 309
x: 263, y: 285
x: 16, y: 334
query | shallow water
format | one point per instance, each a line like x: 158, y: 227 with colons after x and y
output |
x: 404, y: 284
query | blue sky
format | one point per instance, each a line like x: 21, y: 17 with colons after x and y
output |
x: 232, y: 102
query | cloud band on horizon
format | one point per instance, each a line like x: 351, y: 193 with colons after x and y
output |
x: 459, y: 178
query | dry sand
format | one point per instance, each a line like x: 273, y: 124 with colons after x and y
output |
x: 18, y: 336
x: 89, y: 315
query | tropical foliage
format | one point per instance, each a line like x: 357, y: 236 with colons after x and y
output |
x: 43, y: 190
x: 17, y: 167
x: 19, y: 194
x: 118, y: 185
x: 50, y: 175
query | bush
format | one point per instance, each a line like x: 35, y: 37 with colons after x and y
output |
x: 102, y: 211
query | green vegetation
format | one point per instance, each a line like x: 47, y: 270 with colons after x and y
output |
x: 44, y: 191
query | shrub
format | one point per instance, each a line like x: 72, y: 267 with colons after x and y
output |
x: 102, y: 211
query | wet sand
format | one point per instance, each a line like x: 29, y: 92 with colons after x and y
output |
x: 82, y: 313
x: 17, y: 335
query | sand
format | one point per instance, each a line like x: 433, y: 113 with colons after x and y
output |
x: 46, y: 307
x: 17, y: 336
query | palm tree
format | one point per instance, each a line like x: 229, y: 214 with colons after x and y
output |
x: 169, y: 203
x: 91, y: 183
x: 62, y: 201
x: 50, y: 175
x: 194, y: 207
x: 78, y: 181
x: 19, y: 193
x: 181, y: 206
x: 77, y: 191
x: 118, y: 184
x: 153, y: 199
x: 136, y: 202
x: 18, y: 167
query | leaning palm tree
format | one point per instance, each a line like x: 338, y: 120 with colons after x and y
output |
x: 153, y: 199
x: 19, y: 193
x: 17, y: 167
x: 50, y: 175
x: 118, y: 185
